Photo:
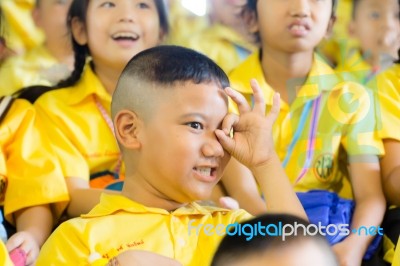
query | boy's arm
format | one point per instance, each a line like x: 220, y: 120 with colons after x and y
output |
x: 240, y: 184
x: 34, y: 225
x: 82, y: 197
x: 252, y: 145
x: 390, y: 165
x: 369, y: 210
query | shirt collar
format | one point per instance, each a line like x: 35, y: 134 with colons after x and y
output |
x: 110, y: 204
x: 89, y: 84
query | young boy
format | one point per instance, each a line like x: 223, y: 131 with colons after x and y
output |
x: 375, y: 25
x: 325, y: 133
x: 272, y: 249
x: 170, y: 117
x: 45, y: 64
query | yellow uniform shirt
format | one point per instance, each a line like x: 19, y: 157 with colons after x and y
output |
x: 84, y: 140
x: 387, y: 84
x: 396, y: 257
x: 35, y: 67
x: 355, y: 67
x: 344, y: 120
x: 118, y: 224
x: 223, y: 45
x: 340, y: 42
x: 22, y: 33
x: 29, y: 172
x: 4, y: 258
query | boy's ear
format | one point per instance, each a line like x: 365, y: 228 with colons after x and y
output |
x: 36, y: 17
x: 78, y: 30
x: 329, y: 30
x: 127, y: 126
x: 250, y: 19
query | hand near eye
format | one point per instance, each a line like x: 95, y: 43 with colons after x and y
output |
x: 252, y: 143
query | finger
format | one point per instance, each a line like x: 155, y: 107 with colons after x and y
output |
x: 14, y: 242
x: 239, y: 99
x: 229, y: 121
x: 274, y: 112
x: 259, y: 101
x: 227, y: 143
x: 229, y: 203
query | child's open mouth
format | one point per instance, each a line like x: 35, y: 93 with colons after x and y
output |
x: 207, y: 174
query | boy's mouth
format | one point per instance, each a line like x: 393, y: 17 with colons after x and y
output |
x: 208, y: 174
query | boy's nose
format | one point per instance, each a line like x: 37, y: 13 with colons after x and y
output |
x: 212, y: 147
x: 300, y: 8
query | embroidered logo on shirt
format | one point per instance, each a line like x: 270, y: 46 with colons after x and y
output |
x: 323, y: 167
x: 115, y: 251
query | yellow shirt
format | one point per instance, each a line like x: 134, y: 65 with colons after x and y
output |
x: 387, y: 84
x: 355, y: 67
x: 35, y: 67
x: 396, y: 257
x: 223, y: 45
x: 340, y: 42
x: 118, y: 224
x: 29, y: 172
x: 22, y: 33
x: 84, y: 140
x: 4, y: 258
x: 344, y: 121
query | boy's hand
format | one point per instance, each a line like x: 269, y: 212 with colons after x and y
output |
x: 252, y: 143
x: 347, y: 256
x: 27, y: 243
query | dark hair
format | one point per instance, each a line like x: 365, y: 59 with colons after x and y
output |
x: 168, y: 64
x: 78, y: 10
x: 238, y: 246
x: 164, y: 65
x: 398, y: 57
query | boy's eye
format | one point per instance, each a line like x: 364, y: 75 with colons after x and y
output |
x: 375, y: 15
x: 195, y: 125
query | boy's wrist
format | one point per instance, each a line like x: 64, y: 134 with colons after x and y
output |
x: 267, y: 167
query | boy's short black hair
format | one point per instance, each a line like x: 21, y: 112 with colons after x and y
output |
x: 163, y: 66
x: 236, y: 247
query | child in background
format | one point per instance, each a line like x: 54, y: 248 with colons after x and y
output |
x: 174, y: 155
x: 376, y: 26
x: 387, y: 85
x: 275, y: 250
x: 76, y: 112
x: 33, y: 193
x: 21, y: 32
x: 227, y: 40
x: 45, y: 64
x: 319, y: 123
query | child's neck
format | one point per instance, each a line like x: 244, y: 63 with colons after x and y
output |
x: 280, y: 67
x: 143, y: 193
x: 108, y: 76
x: 62, y: 53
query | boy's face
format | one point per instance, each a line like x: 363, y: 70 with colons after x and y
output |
x: 377, y: 27
x: 227, y: 12
x: 51, y: 17
x: 180, y: 157
x: 293, y: 25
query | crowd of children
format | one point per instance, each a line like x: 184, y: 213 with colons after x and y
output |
x: 117, y: 148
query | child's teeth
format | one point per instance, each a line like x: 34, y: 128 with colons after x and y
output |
x: 204, y: 171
